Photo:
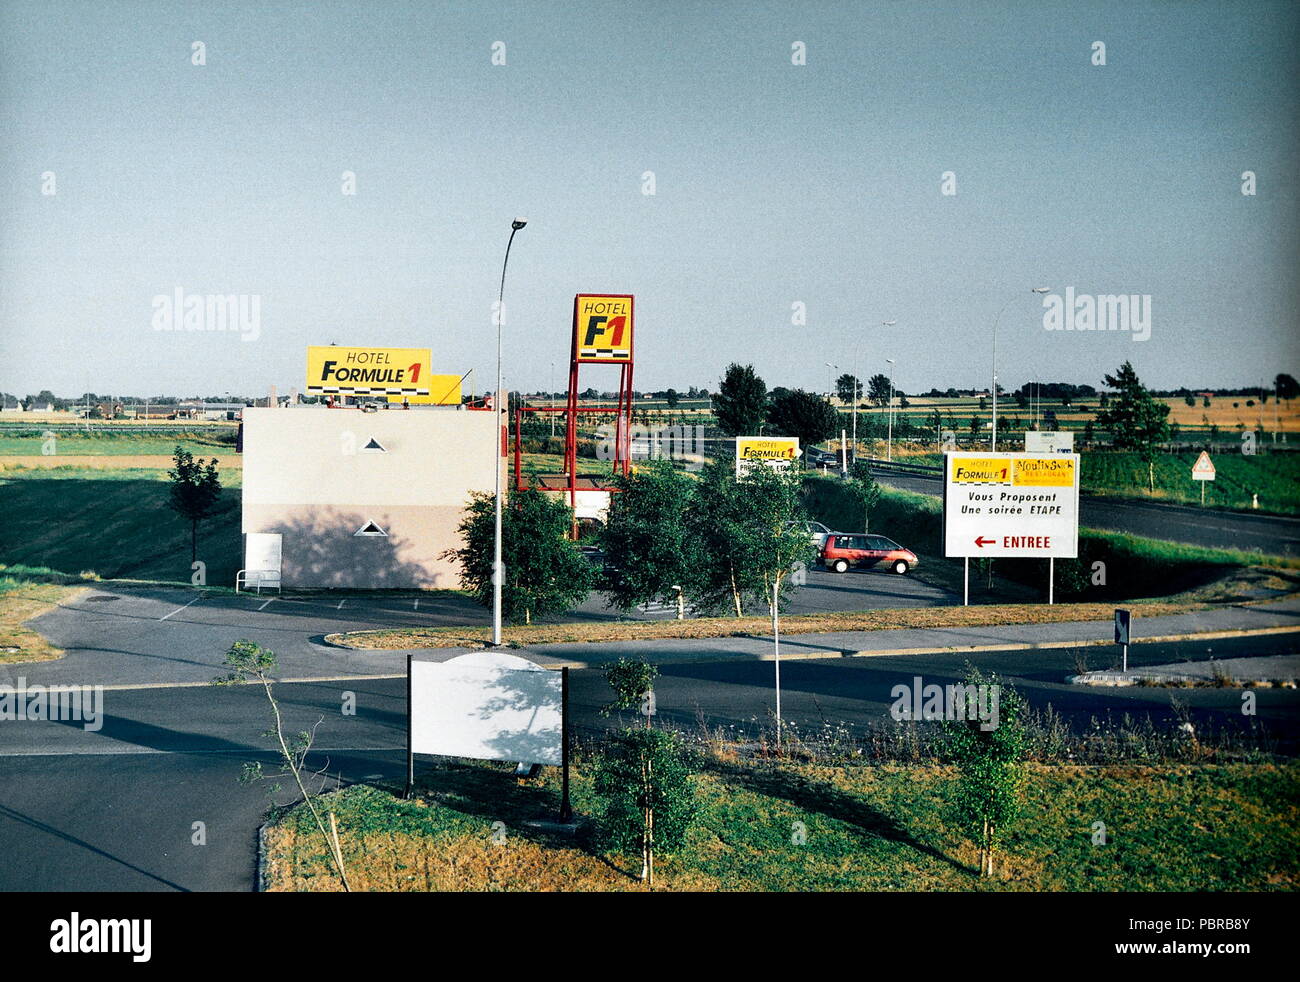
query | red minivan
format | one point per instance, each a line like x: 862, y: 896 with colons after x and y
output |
x: 844, y: 549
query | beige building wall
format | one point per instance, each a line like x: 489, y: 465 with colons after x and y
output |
x: 316, y: 476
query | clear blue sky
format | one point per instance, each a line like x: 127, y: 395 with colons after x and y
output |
x: 775, y: 184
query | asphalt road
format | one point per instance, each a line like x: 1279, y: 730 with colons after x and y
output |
x: 115, y: 808
x: 1271, y: 534
x: 157, y: 634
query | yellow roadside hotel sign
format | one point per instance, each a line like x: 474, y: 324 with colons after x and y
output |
x: 444, y: 391
x: 602, y: 327
x: 399, y: 372
x: 778, y: 452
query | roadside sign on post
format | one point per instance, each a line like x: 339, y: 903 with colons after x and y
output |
x: 1122, y: 635
x: 1011, y: 505
x: 1049, y: 441
x: 777, y: 452
x: 1203, y: 470
x: 602, y: 327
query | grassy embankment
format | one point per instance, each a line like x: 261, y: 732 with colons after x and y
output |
x: 871, y: 828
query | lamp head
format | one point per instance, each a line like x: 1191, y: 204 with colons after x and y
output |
x: 518, y: 223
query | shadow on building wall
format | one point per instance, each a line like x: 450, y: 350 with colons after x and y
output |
x: 324, y: 552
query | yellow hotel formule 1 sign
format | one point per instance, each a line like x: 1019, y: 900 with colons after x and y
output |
x: 776, y: 452
x: 397, y: 373
x: 602, y: 327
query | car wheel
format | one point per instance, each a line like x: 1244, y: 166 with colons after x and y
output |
x: 900, y: 566
x: 841, y: 566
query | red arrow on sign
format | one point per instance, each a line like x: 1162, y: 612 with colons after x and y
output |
x: 982, y: 542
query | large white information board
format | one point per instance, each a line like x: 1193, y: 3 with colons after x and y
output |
x: 487, y: 706
x: 1011, y: 505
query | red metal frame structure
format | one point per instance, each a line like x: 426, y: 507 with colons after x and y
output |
x: 586, y: 353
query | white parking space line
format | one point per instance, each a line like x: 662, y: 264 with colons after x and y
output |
x: 341, y: 603
x: 417, y: 604
x: 179, y: 609
x: 267, y: 604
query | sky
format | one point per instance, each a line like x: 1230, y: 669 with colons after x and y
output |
x: 795, y: 207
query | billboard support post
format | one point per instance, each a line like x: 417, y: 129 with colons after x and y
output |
x: 566, y: 811
x: 410, y: 756
x: 965, y: 582
x: 1051, y: 580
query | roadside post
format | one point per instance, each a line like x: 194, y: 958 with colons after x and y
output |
x: 776, y: 655
x: 1203, y: 470
x: 1122, y: 635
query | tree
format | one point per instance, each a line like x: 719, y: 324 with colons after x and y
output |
x: 990, y: 762
x: 741, y: 401
x: 644, y: 782
x: 1137, y: 421
x: 744, y: 533
x: 545, y: 573
x: 805, y: 415
x: 878, y: 389
x: 250, y: 662
x: 194, y: 492
x: 716, y: 524
x: 848, y: 388
x: 1286, y: 385
x: 863, y: 486
x: 633, y: 685
x: 672, y: 398
x: 650, y: 553
x: 778, y: 544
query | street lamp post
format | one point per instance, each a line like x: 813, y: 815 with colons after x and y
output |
x: 889, y: 439
x: 857, y: 383
x: 498, y: 566
x: 993, y: 436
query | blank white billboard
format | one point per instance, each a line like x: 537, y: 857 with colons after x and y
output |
x: 487, y: 706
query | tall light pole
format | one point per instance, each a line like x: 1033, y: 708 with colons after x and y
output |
x: 857, y: 383
x: 993, y: 437
x: 498, y: 566
x: 834, y: 368
x: 889, y: 439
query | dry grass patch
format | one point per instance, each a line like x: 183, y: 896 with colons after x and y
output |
x: 994, y: 615
x: 19, y: 643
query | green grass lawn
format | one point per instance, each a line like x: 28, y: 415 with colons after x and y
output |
x: 124, y: 443
x: 1274, y: 477
x: 116, y: 523
x: 1168, y: 828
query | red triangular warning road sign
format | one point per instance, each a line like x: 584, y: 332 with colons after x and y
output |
x: 1204, y: 467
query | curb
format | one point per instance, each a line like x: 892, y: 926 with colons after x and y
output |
x: 885, y: 652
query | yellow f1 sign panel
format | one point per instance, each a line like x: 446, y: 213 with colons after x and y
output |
x: 444, y: 391
x: 335, y: 370
x: 602, y: 327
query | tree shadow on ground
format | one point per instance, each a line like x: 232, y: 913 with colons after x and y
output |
x: 494, y: 795
x: 824, y: 798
